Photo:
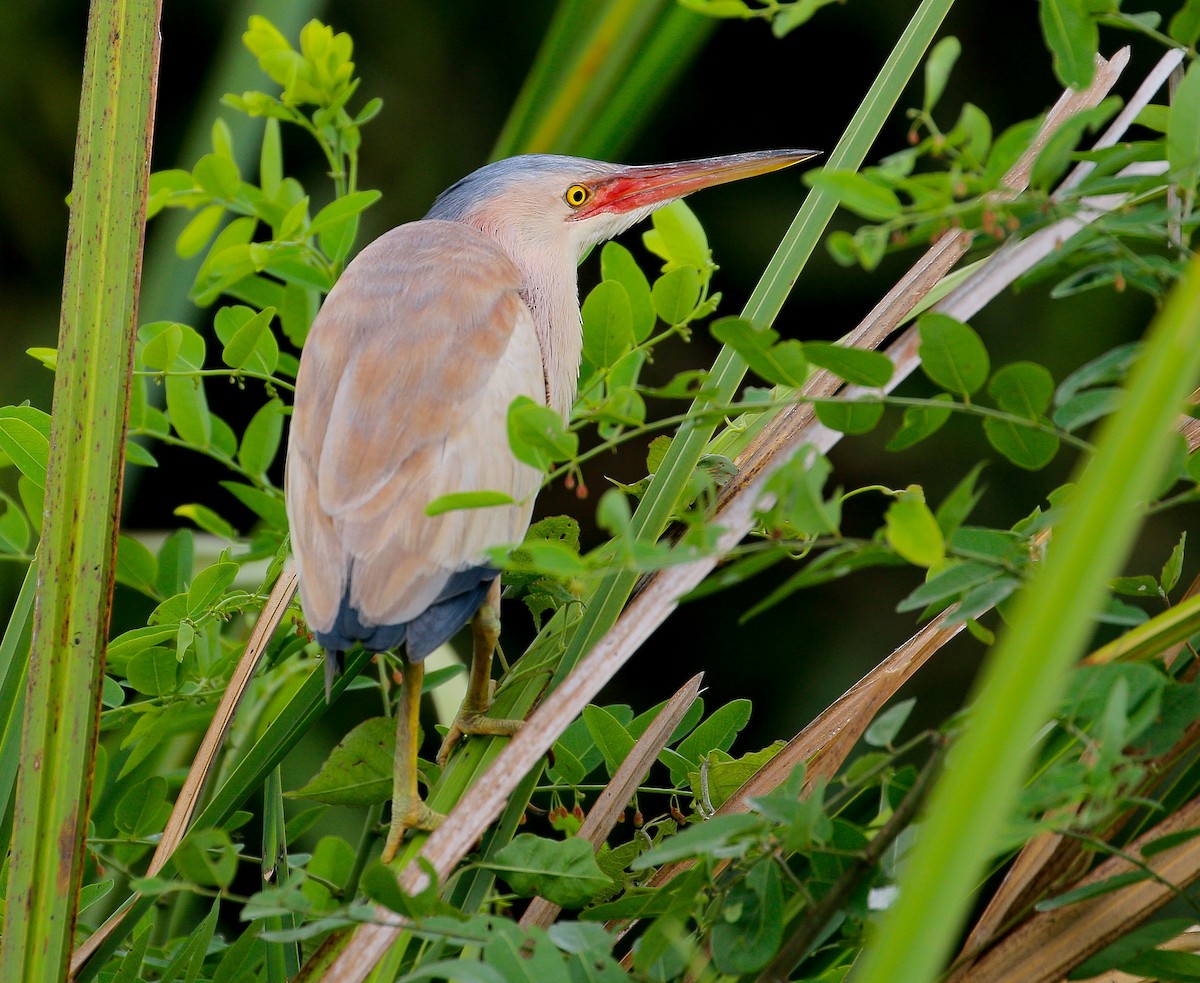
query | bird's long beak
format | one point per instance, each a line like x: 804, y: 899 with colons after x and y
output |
x: 637, y: 187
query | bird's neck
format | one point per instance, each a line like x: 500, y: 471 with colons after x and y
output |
x: 555, y: 307
x: 551, y: 291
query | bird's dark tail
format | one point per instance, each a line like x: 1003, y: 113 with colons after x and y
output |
x: 333, y: 669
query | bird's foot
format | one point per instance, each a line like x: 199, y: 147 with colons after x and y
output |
x: 405, y: 816
x: 470, y: 721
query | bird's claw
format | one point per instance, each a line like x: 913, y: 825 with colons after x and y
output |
x: 474, y: 722
x: 415, y: 815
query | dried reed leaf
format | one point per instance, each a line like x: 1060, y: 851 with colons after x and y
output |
x: 602, y: 817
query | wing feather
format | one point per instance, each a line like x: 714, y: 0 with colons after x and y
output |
x: 402, y: 397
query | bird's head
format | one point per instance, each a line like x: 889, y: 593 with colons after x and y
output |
x: 567, y: 205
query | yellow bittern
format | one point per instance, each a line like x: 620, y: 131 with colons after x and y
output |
x: 402, y: 397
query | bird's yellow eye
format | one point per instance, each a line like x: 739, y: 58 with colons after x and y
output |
x: 578, y: 195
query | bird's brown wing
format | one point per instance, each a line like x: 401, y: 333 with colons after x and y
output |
x: 402, y: 397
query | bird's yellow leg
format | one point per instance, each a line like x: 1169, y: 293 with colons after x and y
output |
x: 472, y: 716
x: 408, y: 810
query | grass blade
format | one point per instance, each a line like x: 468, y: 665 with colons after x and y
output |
x: 83, y: 487
x: 1027, y: 670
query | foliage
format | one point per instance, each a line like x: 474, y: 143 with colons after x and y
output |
x: 791, y: 881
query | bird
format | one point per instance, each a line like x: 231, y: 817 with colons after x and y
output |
x: 401, y: 397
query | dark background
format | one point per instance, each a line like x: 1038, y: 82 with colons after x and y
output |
x: 448, y: 74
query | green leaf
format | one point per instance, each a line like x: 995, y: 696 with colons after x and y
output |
x: 617, y: 263
x: 676, y: 293
x: 1073, y: 40
x: 856, y: 365
x: 783, y: 364
x: 607, y: 324
x: 136, y: 565
x: 198, y: 231
x: 161, y: 351
x: 217, y: 175
x: 1024, y: 446
x: 1183, y: 130
x: 610, y: 735
x: 885, y: 728
x: 261, y: 440
x: 358, y: 770
x: 341, y: 209
x: 949, y: 583
x: 25, y: 440
x: 749, y: 926
x: 248, y: 339
x: 912, y: 531
x: 208, y: 520
x: 563, y: 872
x: 723, y: 836
x: 678, y: 237
x: 154, y: 671
x: 920, y: 422
x: 1174, y: 565
x: 858, y: 193
x: 849, y: 415
x: 1184, y: 25
x: 537, y: 435
x: 209, y: 586
x: 952, y: 354
x: 206, y: 857
x: 143, y: 808
x: 938, y: 64
x: 717, y: 732
x: 1023, y: 389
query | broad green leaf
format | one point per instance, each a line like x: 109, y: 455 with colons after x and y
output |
x: 952, y: 354
x: 175, y: 558
x: 607, y: 324
x: 143, y: 808
x: 716, y: 732
x: 849, y: 415
x: 358, y: 770
x: 610, y: 735
x: 136, y: 565
x: 246, y: 334
x: 858, y: 193
x: 920, y: 422
x: 348, y: 206
x: 563, y: 872
x: 208, y: 520
x: 1183, y: 130
x: 537, y: 435
x: 938, y: 64
x: 676, y: 293
x: 1073, y: 40
x: 749, y: 926
x: 161, y: 351
x: 912, y: 531
x: 886, y: 727
x: 206, y: 857
x: 1026, y: 447
x: 218, y: 175
x: 25, y: 440
x: 783, y: 363
x: 260, y: 442
x: 198, y: 231
x: 855, y: 365
x: 617, y: 263
x: 1184, y: 25
x: 678, y: 237
x: 153, y: 671
x: 208, y: 586
x: 1023, y: 389
x: 948, y: 583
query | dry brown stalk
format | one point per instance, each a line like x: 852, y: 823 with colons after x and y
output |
x: 611, y: 802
